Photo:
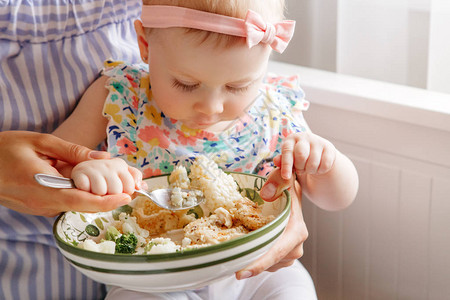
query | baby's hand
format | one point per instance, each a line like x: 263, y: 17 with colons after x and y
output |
x: 305, y: 153
x: 106, y: 176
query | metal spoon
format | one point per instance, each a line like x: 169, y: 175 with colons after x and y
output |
x: 160, y: 197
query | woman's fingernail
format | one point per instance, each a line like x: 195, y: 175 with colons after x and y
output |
x: 98, y: 154
x: 245, y: 274
x: 268, y: 191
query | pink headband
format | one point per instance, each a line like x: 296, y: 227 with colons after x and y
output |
x: 253, y: 28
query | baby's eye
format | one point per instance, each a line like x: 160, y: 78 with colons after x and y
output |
x: 236, y: 90
x: 184, y: 87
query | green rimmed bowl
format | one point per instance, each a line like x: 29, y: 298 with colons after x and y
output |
x: 171, y: 271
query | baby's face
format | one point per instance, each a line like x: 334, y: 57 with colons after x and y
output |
x: 202, y: 85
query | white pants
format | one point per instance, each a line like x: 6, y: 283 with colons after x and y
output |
x: 288, y: 283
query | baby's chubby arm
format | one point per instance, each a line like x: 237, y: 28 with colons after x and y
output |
x: 106, y: 176
x: 325, y: 175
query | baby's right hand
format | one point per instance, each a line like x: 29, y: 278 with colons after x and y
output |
x: 106, y: 176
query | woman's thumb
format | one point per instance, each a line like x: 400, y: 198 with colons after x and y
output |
x: 275, y: 185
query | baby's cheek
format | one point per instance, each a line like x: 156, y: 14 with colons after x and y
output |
x: 238, y: 108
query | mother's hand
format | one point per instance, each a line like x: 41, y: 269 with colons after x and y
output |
x: 23, y: 154
x: 289, y: 247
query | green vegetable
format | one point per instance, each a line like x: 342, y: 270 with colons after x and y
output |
x: 126, y: 244
x: 92, y: 230
x: 123, y: 209
x: 252, y: 195
x: 111, y: 233
x: 197, y: 211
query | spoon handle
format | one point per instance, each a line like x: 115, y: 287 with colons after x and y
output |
x: 54, y: 181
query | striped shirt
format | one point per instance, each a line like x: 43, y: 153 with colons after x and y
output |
x: 50, y: 51
x: 61, y: 45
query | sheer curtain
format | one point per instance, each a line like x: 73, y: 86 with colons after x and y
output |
x: 399, y: 41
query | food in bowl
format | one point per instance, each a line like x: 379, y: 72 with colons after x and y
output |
x: 146, y: 228
x: 174, y: 271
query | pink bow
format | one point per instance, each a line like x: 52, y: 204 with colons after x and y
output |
x: 276, y: 35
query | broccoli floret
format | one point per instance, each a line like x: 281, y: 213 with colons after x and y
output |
x: 126, y: 244
x: 111, y: 233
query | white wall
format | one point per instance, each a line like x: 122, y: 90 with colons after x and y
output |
x: 401, y: 41
x: 314, y: 41
x: 393, y: 242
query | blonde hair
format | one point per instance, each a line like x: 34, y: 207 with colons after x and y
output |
x: 270, y: 10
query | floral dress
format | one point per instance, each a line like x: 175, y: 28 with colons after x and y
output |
x: 140, y: 133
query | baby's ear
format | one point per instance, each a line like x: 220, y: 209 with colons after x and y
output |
x: 142, y: 40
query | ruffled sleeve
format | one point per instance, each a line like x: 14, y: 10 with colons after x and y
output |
x: 289, y: 98
x: 122, y: 106
x: 281, y: 114
x: 289, y: 88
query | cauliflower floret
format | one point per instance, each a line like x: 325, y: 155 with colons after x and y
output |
x: 161, y: 245
x: 129, y: 225
x: 103, y: 247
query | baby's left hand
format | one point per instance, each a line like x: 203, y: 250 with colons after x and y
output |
x: 305, y: 153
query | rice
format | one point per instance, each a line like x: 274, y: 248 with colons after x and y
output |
x: 180, y: 198
x: 219, y: 188
x: 179, y: 178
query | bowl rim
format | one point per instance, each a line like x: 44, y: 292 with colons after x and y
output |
x: 165, y: 270
x: 179, y: 255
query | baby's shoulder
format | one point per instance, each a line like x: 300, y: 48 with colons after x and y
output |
x: 285, y: 91
x: 128, y: 89
x: 283, y: 84
x: 128, y: 75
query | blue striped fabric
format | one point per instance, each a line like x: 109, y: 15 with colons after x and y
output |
x: 50, y: 51
x: 66, y: 41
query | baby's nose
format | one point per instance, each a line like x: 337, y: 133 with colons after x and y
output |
x: 210, y: 106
